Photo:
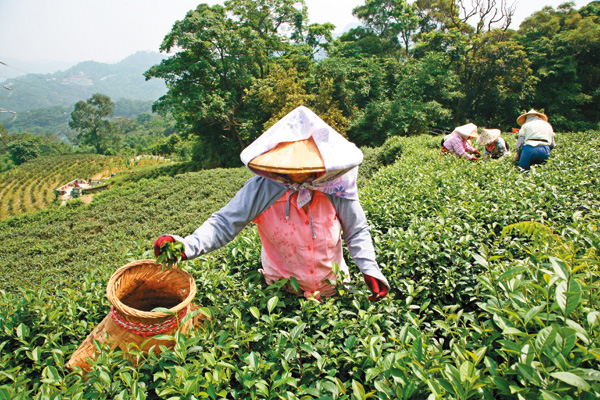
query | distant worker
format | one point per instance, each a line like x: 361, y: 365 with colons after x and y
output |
x: 494, y: 146
x: 458, y: 142
x: 535, y: 140
x: 302, y: 199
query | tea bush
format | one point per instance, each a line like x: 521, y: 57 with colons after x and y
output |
x: 390, y: 150
x: 494, y: 274
x: 66, y: 242
x: 30, y: 186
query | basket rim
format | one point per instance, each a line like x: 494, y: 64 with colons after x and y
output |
x: 132, y: 312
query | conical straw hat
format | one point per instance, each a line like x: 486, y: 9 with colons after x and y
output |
x: 291, y: 157
x: 488, y: 136
x: 468, y: 130
x: 523, y: 117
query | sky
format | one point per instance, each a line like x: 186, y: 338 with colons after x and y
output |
x: 71, y: 31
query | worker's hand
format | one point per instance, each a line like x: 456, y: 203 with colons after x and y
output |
x: 474, y: 159
x: 477, y: 152
x: 377, y: 287
x: 160, y: 242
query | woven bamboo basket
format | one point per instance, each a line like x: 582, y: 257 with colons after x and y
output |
x: 133, y: 291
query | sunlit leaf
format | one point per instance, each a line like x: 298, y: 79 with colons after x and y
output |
x: 571, y: 379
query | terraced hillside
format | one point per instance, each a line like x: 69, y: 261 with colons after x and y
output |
x: 30, y: 187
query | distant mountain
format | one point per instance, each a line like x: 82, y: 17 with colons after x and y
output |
x: 123, y: 80
x: 11, y: 68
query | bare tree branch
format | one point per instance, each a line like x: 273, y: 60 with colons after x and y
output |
x: 488, y: 12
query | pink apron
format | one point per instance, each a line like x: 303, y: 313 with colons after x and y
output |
x: 289, y: 248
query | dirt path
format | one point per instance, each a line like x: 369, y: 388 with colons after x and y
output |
x: 87, y: 199
x: 101, y: 175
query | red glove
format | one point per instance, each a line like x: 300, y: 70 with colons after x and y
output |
x: 162, y: 240
x: 474, y: 159
x: 477, y: 152
x: 159, y: 242
x: 377, y: 287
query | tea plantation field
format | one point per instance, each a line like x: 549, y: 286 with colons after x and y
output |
x: 30, y: 187
x: 495, y: 279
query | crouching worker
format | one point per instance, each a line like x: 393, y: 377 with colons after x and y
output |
x: 535, y: 140
x: 494, y: 145
x: 302, y: 199
x: 458, y: 142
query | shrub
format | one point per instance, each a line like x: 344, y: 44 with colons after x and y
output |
x: 494, y: 294
x: 369, y: 166
x: 390, y: 151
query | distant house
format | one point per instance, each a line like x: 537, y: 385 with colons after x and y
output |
x: 79, y: 187
x: 79, y: 79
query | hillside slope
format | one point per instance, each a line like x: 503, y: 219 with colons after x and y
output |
x: 479, y: 308
x: 123, y: 80
x: 66, y: 243
x: 461, y: 204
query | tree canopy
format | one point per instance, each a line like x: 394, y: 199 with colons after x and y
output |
x: 90, y: 119
x: 407, y: 69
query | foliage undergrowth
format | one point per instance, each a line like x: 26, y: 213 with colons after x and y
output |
x: 494, y: 274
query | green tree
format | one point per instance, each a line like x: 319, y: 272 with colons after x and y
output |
x: 500, y: 81
x: 3, y: 138
x: 353, y: 82
x: 21, y: 151
x: 319, y: 38
x: 360, y: 42
x: 390, y: 20
x: 90, y: 119
x: 285, y: 89
x: 263, y: 25
x: 166, y: 146
x: 564, y: 48
x: 222, y: 51
x: 463, y: 31
x: 420, y: 101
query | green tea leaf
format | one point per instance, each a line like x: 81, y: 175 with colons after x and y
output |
x: 295, y: 284
x: 163, y: 310
x: 546, y: 395
x: 571, y: 379
x: 272, y: 303
x: 568, y: 295
x: 559, y: 267
x: 297, y: 331
x: 358, y: 390
x: 254, y: 311
x: 480, y: 260
x: 545, y: 337
x: 50, y: 375
x: 592, y: 318
x: 533, y: 312
x: 590, y: 374
x: 528, y: 373
x: 36, y: 354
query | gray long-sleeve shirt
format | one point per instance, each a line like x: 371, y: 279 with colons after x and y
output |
x: 254, y: 198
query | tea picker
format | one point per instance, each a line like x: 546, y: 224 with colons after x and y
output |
x: 535, y: 140
x: 457, y: 142
x: 494, y: 146
x: 302, y: 199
